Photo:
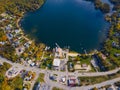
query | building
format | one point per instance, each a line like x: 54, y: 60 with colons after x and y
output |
x: 38, y: 86
x: 94, y: 63
x: 71, y: 81
x: 56, y: 62
x: 58, y: 52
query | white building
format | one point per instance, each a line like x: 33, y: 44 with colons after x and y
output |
x: 56, y: 62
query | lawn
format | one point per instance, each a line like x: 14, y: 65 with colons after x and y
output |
x: 41, y: 77
x: 98, y: 79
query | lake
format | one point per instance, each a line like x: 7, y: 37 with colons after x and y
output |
x: 74, y: 23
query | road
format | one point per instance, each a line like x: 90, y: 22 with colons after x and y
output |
x: 85, y: 74
x: 76, y: 74
x: 56, y: 84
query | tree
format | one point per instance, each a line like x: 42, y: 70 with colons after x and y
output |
x: 105, y: 8
x: 95, y: 88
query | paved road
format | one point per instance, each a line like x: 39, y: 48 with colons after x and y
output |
x: 56, y: 84
x: 62, y: 73
x: 52, y: 84
x: 109, y: 82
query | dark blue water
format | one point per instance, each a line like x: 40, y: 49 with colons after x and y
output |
x: 73, y: 23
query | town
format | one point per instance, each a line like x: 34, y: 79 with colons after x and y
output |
x: 33, y: 66
x: 61, y: 67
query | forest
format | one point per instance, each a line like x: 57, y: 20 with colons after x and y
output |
x: 116, y: 4
x: 18, y: 6
x: 9, y: 84
x: 104, y: 7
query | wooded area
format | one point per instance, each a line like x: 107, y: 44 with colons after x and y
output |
x: 18, y: 6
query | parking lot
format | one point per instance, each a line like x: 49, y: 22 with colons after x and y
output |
x: 13, y: 71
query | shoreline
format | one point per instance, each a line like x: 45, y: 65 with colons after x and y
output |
x: 77, y: 74
x: 90, y: 53
x: 100, y: 46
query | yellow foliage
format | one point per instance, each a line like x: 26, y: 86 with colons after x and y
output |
x: 118, y: 26
x: 4, y: 38
x: 25, y: 55
x: 5, y: 86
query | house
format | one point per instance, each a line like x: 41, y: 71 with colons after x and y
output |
x: 9, y: 36
x: 20, y: 50
x: 3, y: 19
x: 112, y: 87
x: 59, y: 52
x: 7, y: 28
x: 71, y: 66
x: 2, y: 43
x: 27, y: 45
x: 25, y: 89
x: 94, y: 63
x: 32, y: 64
x: 63, y: 79
x: 53, y: 77
x: 47, y: 48
x: 71, y: 81
x: 10, y: 26
x: 28, y: 78
x: 17, y: 31
x: 117, y: 34
x: 3, y: 14
x: 115, y: 45
x: 103, y: 56
x: 29, y: 61
x: 16, y: 43
x: 117, y: 54
x: 98, y: 62
x: 37, y: 86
